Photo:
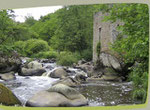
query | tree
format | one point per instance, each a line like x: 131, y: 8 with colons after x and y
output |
x: 135, y: 47
x: 46, y: 27
x: 6, y: 28
x: 29, y: 20
x: 74, y: 32
x: 11, y: 31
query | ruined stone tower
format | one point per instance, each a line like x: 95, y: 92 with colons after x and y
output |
x: 104, y: 32
x: 107, y: 61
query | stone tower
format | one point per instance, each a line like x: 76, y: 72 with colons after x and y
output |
x: 104, y: 32
x: 107, y: 61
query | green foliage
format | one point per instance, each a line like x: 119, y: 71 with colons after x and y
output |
x: 46, y: 55
x: 29, y: 20
x: 67, y: 58
x: 140, y: 94
x: 69, y: 29
x: 98, y: 48
x: 6, y: 50
x: 87, y: 54
x: 23, y: 32
x: 11, y: 31
x: 139, y: 76
x: 46, y: 26
x: 34, y: 46
x: 135, y: 47
x: 19, y: 47
x: 74, y: 31
x: 6, y: 28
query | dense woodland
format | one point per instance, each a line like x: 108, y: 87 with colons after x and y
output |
x: 67, y: 35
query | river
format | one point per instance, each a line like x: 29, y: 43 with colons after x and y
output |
x: 98, y: 93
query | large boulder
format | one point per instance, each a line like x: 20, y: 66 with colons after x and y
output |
x: 69, y: 81
x: 8, y: 76
x: 111, y: 61
x: 59, y: 73
x: 34, y: 65
x: 7, y: 97
x: 31, y: 72
x: 8, y: 64
x: 58, y: 96
x: 33, y: 68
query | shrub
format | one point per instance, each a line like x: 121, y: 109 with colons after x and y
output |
x: 87, y: 54
x: 19, y: 47
x: 98, y: 48
x: 6, y: 50
x: 140, y: 81
x: 47, y: 55
x: 67, y: 58
x: 35, y: 46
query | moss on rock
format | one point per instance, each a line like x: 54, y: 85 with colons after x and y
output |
x: 7, y: 97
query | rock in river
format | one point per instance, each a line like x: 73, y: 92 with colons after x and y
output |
x: 58, y: 95
x: 33, y: 68
x: 8, y: 64
x: 31, y: 72
x: 34, y: 65
x: 8, y: 76
x: 7, y: 97
x: 59, y: 73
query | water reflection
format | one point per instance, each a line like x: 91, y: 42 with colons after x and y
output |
x: 104, y: 93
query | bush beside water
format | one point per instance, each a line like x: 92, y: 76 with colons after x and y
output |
x: 47, y: 54
x: 67, y: 58
x: 31, y: 47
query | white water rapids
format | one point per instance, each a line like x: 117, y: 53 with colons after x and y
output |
x: 102, y: 93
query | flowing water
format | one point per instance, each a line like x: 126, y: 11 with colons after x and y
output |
x: 99, y: 93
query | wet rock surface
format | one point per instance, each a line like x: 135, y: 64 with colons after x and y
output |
x: 58, y: 95
x: 8, y: 76
x: 59, y: 73
x: 7, y: 97
x: 8, y: 64
x: 31, y: 72
x: 33, y: 68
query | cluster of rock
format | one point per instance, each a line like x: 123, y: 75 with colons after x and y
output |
x: 112, y: 67
x: 107, y: 68
x: 62, y: 89
x: 8, y: 66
